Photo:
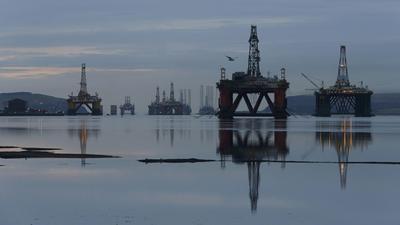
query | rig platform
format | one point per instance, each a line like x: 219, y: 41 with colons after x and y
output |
x: 252, y: 82
x: 343, y: 98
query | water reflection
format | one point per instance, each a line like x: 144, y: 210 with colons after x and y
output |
x: 343, y: 136
x: 249, y: 141
x: 21, y: 126
x: 83, y: 132
x: 207, y: 134
x: 167, y: 129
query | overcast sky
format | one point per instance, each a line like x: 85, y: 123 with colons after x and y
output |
x: 132, y: 46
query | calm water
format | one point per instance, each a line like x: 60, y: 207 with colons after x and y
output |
x: 124, y: 191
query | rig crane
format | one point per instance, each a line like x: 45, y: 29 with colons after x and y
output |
x: 312, y: 82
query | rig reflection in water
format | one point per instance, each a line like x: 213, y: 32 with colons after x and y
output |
x: 23, y: 152
x: 82, y: 131
x: 250, y: 141
x: 343, y: 136
x: 167, y: 129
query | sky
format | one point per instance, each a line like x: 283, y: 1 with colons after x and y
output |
x: 130, y: 47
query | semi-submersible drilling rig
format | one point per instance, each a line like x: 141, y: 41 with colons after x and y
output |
x: 92, y: 102
x: 252, y: 82
x: 343, y: 98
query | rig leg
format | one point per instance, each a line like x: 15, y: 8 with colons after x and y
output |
x: 363, y: 105
x: 280, y: 104
x: 96, y: 109
x: 71, y: 108
x: 322, y: 105
x: 225, y: 104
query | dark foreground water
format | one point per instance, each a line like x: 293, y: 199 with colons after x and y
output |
x: 238, y: 189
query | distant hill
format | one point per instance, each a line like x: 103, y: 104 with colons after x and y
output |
x: 37, y: 101
x: 386, y: 104
x: 382, y: 104
x: 301, y: 104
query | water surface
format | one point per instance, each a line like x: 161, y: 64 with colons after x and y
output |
x: 236, y: 189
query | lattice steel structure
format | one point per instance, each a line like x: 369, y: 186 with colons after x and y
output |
x: 343, y: 74
x: 253, y: 68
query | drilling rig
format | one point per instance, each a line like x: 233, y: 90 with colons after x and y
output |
x: 127, y: 106
x: 92, y: 102
x: 252, y: 82
x: 342, y: 97
x: 171, y: 106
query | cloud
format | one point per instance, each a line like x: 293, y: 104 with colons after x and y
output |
x: 22, y: 72
x: 125, y: 70
x: 66, y: 51
x: 18, y: 72
x: 7, y: 57
x: 196, y: 24
x: 156, y: 25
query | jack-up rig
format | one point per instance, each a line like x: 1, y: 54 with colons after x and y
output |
x: 343, y: 98
x: 127, y: 106
x: 93, y: 103
x: 171, y: 106
x: 252, y: 82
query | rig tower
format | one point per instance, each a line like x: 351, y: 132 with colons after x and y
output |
x: 252, y: 82
x: 343, y: 98
x: 93, y: 103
